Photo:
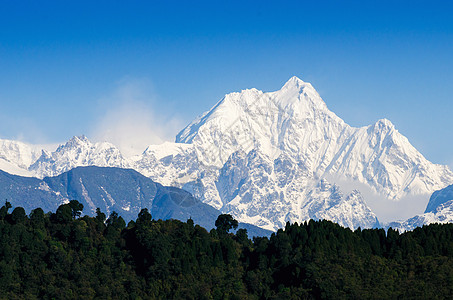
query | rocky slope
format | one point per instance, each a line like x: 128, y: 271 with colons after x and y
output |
x: 124, y: 191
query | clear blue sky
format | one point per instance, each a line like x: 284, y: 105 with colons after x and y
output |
x: 64, y: 65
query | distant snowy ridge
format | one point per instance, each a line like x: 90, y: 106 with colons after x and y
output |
x: 16, y: 157
x: 78, y: 152
x: 18, y: 153
x: 438, y: 210
x: 269, y: 158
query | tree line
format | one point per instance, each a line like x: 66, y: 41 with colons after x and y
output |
x: 65, y: 255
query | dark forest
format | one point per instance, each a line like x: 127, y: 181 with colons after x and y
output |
x: 64, y: 255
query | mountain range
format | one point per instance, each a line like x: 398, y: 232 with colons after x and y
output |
x: 268, y: 158
x: 124, y: 191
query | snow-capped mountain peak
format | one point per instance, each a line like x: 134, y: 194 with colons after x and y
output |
x: 296, y: 95
x: 295, y: 83
x: 19, y: 153
x: 297, y: 91
x: 272, y: 157
x: 272, y: 122
x: 77, y: 140
x: 78, y: 151
x: 15, y: 156
x: 294, y: 122
x: 383, y: 126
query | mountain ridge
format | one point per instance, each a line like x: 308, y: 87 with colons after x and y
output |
x: 281, y: 145
x: 124, y: 191
x: 438, y: 210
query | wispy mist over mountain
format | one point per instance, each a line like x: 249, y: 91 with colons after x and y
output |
x: 131, y: 119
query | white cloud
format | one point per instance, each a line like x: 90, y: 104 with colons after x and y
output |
x: 386, y: 210
x: 132, y: 119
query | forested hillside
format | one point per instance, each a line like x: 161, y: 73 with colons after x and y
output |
x: 64, y: 256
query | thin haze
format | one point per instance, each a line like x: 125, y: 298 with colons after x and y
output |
x: 63, y: 64
x: 130, y: 118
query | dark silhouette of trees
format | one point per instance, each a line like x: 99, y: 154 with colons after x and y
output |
x: 225, y: 223
x: 76, y: 208
x: 64, y: 255
x: 4, y: 209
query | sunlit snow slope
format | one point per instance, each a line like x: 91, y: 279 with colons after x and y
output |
x: 290, y: 140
